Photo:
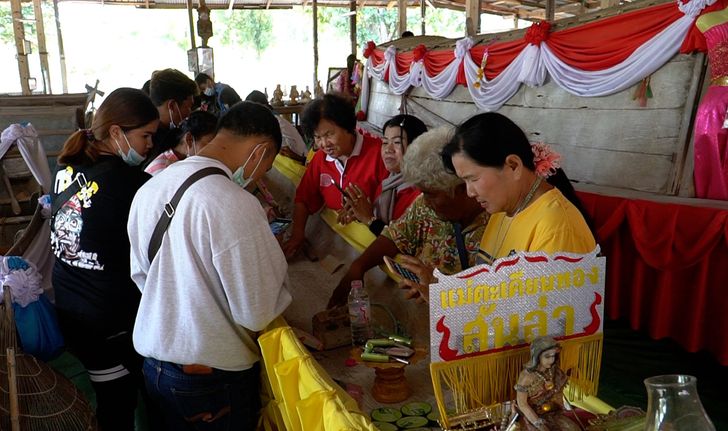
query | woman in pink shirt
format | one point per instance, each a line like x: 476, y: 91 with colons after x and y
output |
x: 344, y: 157
x: 194, y: 133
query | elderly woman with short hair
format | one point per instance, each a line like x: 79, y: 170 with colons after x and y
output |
x: 442, y: 227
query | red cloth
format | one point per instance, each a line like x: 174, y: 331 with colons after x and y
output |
x: 602, y: 44
x: 667, y: 269
x: 593, y: 46
x: 365, y: 170
x: 403, y: 200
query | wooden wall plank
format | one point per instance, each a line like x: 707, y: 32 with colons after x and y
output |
x: 608, y: 141
x: 629, y: 170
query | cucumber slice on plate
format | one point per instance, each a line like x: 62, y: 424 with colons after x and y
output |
x: 385, y: 426
x: 410, y: 422
x: 434, y: 416
x: 385, y: 414
x: 416, y: 409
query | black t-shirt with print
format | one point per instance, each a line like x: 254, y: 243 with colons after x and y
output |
x: 91, y: 275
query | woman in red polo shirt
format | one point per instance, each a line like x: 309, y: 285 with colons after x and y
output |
x: 345, y: 157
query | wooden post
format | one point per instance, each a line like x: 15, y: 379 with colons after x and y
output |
x: 315, y: 44
x: 352, y: 25
x: 61, y: 52
x: 423, y: 8
x: 683, y: 184
x: 550, y: 10
x: 472, y: 17
x: 193, y: 44
x: 42, y: 50
x: 13, y: 390
x: 19, y: 33
x: 402, y: 12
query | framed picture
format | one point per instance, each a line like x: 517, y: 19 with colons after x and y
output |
x: 331, y: 81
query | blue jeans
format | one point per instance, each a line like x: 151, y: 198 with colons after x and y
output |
x: 221, y: 400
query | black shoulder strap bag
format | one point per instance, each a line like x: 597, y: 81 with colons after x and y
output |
x: 169, y: 209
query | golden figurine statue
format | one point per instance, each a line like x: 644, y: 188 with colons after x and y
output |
x: 540, y: 390
x: 306, y: 96
x: 293, y: 95
x: 277, y: 99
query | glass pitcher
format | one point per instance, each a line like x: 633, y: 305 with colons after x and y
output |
x: 673, y: 404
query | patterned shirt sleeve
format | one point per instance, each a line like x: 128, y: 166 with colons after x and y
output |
x: 405, y: 232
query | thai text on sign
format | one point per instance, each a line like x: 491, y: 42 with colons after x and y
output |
x: 487, y: 309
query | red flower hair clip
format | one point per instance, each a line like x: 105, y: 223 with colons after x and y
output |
x: 547, y: 161
x: 369, y: 50
x: 538, y: 32
x: 419, y: 52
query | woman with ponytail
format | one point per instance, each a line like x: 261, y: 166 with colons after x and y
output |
x: 532, y: 204
x: 96, y: 300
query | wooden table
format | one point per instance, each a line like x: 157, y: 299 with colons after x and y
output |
x: 292, y: 113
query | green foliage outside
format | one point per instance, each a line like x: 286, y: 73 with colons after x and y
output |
x: 380, y: 24
x: 248, y: 28
x: 254, y: 28
x: 6, y: 22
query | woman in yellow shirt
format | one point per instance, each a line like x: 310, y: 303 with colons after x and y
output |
x: 533, y: 205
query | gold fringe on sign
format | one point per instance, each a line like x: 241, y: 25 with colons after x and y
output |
x: 469, y: 384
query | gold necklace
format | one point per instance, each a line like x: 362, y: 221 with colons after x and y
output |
x: 524, y: 202
x: 546, y: 377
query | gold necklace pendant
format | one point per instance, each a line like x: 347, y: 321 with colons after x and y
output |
x: 547, y: 378
x: 498, y: 241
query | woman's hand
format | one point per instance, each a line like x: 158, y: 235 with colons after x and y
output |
x: 540, y: 424
x: 343, y: 216
x: 418, y: 291
x: 340, y: 295
x: 358, y: 204
x: 293, y: 245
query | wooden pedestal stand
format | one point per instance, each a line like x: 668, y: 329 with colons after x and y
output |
x: 390, y: 384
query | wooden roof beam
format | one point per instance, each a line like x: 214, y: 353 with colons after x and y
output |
x: 517, y: 3
x: 472, y: 17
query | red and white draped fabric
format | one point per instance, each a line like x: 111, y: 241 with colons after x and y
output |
x: 595, y: 59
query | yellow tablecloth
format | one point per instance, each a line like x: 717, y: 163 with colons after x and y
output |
x: 302, y: 396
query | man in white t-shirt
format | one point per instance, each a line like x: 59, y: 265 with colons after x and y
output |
x: 218, y: 277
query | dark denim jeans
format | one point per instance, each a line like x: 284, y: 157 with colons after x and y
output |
x: 222, y: 400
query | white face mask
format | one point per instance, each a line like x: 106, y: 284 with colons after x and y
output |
x: 194, y: 148
x: 131, y: 158
x: 172, y: 124
x: 209, y: 91
x: 239, y: 175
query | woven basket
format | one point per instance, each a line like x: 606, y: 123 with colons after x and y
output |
x: 33, y: 396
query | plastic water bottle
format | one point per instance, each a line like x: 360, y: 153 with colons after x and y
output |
x: 359, y: 313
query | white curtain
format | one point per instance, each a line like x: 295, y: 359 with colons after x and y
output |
x: 533, y: 65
